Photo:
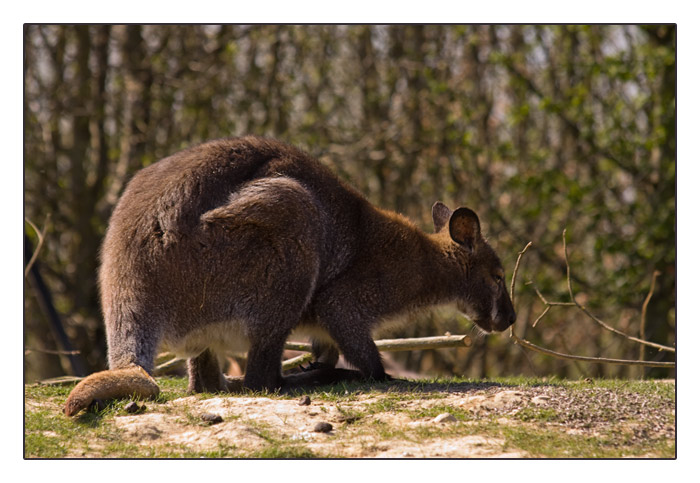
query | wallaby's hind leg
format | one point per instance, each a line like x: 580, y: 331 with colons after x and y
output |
x: 131, y: 342
x: 204, y: 373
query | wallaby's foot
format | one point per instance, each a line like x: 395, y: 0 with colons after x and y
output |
x: 112, y: 384
x: 316, y: 366
x: 383, y: 378
x: 204, y: 374
x: 313, y: 377
x: 320, y: 377
x: 234, y: 384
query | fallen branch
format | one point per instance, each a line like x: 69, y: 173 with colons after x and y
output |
x: 392, y: 345
x: 385, y: 345
x: 297, y: 361
x: 61, y: 381
x: 175, y: 361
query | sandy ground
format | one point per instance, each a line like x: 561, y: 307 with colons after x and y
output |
x: 365, y: 426
x: 286, y: 419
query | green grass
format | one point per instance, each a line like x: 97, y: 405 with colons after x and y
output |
x: 536, y: 431
x: 276, y: 452
x: 556, y: 443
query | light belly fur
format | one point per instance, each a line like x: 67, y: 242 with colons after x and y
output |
x: 229, y: 337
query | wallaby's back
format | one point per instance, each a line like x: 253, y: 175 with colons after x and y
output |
x: 187, y: 230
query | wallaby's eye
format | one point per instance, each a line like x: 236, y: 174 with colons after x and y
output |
x: 498, y: 278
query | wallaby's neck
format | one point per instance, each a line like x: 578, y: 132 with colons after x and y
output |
x: 420, y: 268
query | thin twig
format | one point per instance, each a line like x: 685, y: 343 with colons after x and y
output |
x: 512, y: 279
x: 515, y: 272
x: 547, y: 302
x: 643, y: 321
x: 28, y: 351
x: 596, y: 319
x: 559, y: 355
x: 546, y: 309
x: 601, y: 360
x: 40, y: 235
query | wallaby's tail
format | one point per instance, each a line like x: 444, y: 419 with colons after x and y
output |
x: 129, y: 381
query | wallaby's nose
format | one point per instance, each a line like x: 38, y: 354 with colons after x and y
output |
x: 511, y: 318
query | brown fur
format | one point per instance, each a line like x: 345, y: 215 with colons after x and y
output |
x: 241, y: 241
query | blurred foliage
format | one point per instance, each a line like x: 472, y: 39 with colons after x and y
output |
x: 537, y: 128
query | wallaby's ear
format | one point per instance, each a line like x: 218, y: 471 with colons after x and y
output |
x: 441, y: 215
x: 465, y: 228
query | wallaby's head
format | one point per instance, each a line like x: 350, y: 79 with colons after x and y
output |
x: 482, y: 289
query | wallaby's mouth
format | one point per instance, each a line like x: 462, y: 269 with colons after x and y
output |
x: 488, y: 323
x: 496, y: 325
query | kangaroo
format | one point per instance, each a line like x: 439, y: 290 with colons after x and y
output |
x: 235, y: 243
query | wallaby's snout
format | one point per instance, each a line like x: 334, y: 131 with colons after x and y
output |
x: 506, y: 317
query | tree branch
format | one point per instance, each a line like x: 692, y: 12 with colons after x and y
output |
x: 643, y: 321
x: 548, y: 305
x: 596, y: 319
x: 40, y: 235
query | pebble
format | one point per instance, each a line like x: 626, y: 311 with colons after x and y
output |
x: 323, y: 427
x: 304, y: 401
x: 133, y: 408
x: 212, y: 418
x: 444, y: 418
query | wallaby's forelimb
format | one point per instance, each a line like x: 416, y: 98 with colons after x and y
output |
x: 129, y: 381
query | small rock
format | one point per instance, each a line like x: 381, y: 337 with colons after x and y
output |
x: 540, y: 400
x: 445, y: 418
x: 212, y: 418
x: 323, y: 427
x: 304, y: 401
x: 133, y: 408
